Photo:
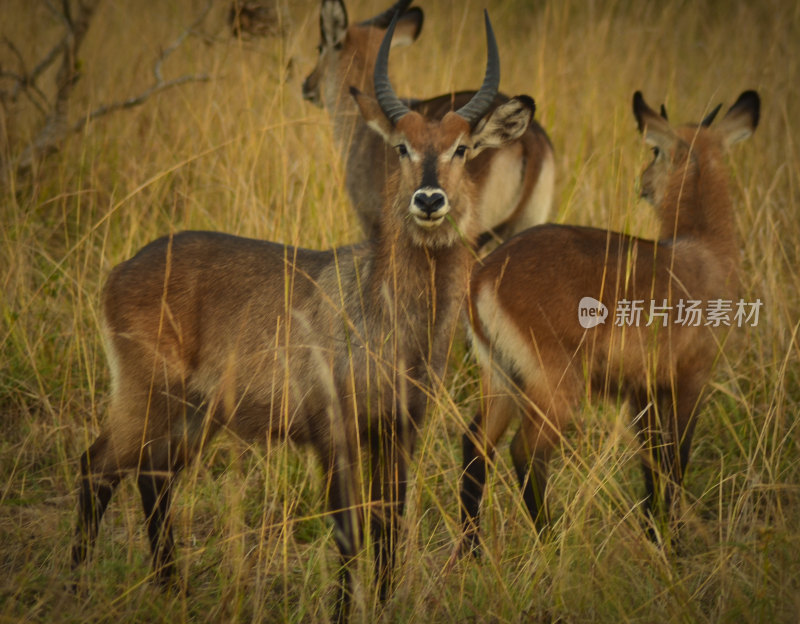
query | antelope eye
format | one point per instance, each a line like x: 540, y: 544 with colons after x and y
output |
x: 461, y: 151
x: 402, y: 150
x: 656, y: 151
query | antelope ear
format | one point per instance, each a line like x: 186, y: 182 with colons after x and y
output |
x: 504, y: 124
x: 652, y: 125
x: 409, y: 25
x: 332, y: 22
x: 373, y: 114
x: 741, y: 120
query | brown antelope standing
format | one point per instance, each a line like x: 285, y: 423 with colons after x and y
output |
x: 336, y: 349
x: 539, y: 361
x: 515, y: 181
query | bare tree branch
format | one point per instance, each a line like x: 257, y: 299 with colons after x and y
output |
x: 68, y: 73
x: 16, y: 52
x: 56, y: 128
x: 47, y: 61
x: 178, y: 41
x: 24, y: 81
x: 138, y: 99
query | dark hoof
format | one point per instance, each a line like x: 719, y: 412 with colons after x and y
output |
x: 469, y: 546
x: 169, y: 581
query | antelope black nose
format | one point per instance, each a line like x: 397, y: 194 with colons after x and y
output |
x: 311, y: 91
x: 429, y: 202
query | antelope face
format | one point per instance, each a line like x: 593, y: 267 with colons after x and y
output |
x: 668, y: 158
x: 432, y: 158
x: 431, y: 184
x: 676, y: 150
x: 431, y: 189
x: 311, y: 90
x: 674, y: 154
x: 346, y: 53
x: 333, y: 32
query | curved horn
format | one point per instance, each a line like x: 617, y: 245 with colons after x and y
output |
x: 390, y: 104
x: 479, y: 105
x: 710, y: 117
x: 382, y: 20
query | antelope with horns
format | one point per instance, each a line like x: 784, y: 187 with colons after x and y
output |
x: 514, y: 181
x: 336, y: 349
x: 538, y: 361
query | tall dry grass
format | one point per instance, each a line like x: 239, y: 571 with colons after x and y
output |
x: 244, y: 154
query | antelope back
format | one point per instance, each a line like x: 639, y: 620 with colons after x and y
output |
x: 562, y: 312
x: 527, y: 296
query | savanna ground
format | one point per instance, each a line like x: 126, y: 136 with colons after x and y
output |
x: 243, y: 153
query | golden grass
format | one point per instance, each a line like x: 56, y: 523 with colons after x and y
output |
x: 244, y: 154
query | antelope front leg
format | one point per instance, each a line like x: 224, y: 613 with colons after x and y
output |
x: 390, y: 450
x: 475, y: 458
x: 155, y: 480
x: 478, y: 447
x: 96, y: 488
x: 338, y: 465
x: 531, y: 456
x: 666, y: 427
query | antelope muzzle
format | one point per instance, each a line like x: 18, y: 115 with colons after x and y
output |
x: 429, y: 206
